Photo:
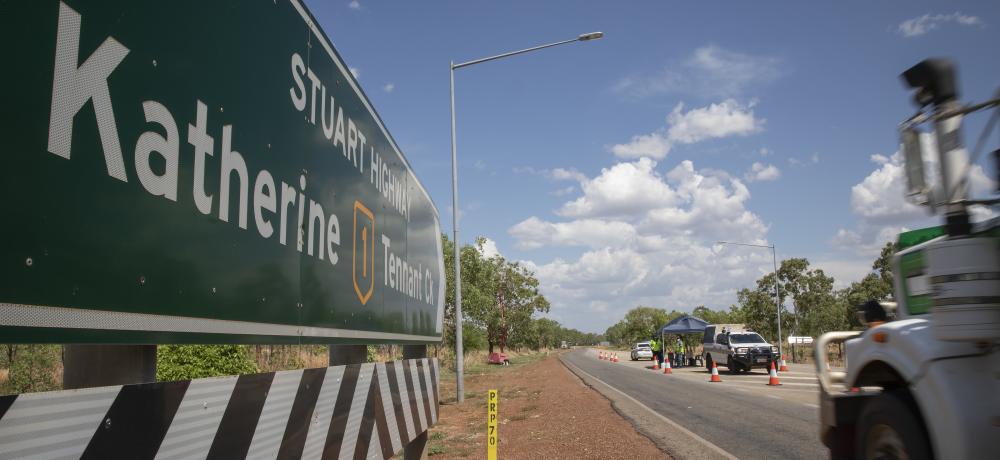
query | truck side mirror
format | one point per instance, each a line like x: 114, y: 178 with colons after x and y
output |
x: 913, y: 157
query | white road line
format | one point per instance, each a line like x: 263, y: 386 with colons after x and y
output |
x: 700, y: 439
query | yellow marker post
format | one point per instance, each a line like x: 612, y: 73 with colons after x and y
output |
x: 492, y: 404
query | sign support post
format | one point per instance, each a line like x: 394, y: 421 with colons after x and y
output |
x: 341, y: 355
x: 86, y: 366
x: 416, y: 449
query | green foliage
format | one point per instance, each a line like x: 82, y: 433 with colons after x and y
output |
x: 183, y: 362
x: 811, y: 306
x: 717, y: 316
x: 548, y: 333
x: 639, y: 324
x: 473, y: 337
x: 33, y: 368
x: 498, y: 296
x: 818, y: 308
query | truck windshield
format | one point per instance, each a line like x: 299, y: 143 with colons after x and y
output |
x: 745, y: 338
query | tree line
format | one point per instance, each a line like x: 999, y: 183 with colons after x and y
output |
x: 501, y: 304
x: 811, y: 304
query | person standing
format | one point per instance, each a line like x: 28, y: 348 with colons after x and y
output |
x: 680, y: 352
x: 657, y: 347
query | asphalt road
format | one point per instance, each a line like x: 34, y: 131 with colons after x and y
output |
x: 741, y: 416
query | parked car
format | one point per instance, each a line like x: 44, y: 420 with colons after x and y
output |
x: 642, y: 350
x: 738, y: 350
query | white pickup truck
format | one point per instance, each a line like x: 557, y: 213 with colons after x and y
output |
x: 738, y: 350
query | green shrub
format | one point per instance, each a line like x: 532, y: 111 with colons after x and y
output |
x: 473, y: 338
x: 35, y: 368
x: 183, y: 362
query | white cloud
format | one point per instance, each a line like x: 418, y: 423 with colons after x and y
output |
x: 354, y: 5
x: 534, y: 233
x: 489, y: 249
x: 760, y: 172
x: 647, y: 238
x: 653, y: 145
x: 723, y: 119
x: 920, y: 25
x: 355, y: 71
x: 879, y: 201
x: 623, y: 189
x: 844, y: 271
x: 598, y: 286
x: 764, y: 151
x: 710, y: 71
x: 480, y: 165
x: 632, y: 205
x: 564, y: 174
x: 814, y: 157
x: 563, y: 191
x: 880, y: 194
x: 389, y: 87
x: 727, y: 118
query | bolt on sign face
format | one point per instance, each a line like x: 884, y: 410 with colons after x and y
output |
x: 195, y: 178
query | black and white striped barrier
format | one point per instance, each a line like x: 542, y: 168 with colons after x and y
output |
x: 356, y: 411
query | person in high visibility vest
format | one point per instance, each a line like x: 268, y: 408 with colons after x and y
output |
x: 680, y: 352
x: 657, y: 347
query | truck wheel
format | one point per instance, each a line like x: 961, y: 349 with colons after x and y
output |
x: 889, y: 429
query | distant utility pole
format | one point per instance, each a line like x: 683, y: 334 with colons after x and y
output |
x: 777, y: 283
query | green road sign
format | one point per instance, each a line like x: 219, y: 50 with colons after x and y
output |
x: 191, y: 171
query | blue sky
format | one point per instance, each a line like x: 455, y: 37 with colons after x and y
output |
x: 611, y: 167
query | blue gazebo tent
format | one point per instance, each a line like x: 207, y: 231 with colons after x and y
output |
x: 684, y: 325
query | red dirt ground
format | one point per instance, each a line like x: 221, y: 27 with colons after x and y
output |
x: 545, y: 412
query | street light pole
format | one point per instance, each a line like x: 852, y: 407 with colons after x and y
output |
x: 777, y: 283
x: 459, y: 358
x: 777, y: 301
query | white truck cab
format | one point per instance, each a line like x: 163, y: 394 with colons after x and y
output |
x: 737, y: 349
x: 923, y: 379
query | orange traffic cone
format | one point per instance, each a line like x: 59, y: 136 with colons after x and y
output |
x: 656, y: 364
x: 784, y: 367
x: 616, y: 357
x: 773, y: 381
x: 666, y: 367
x: 715, y: 373
x: 600, y: 355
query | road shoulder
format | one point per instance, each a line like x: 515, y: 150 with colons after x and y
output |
x: 545, y: 412
x: 669, y: 436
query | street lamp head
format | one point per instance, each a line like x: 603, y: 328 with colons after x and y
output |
x: 590, y: 36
